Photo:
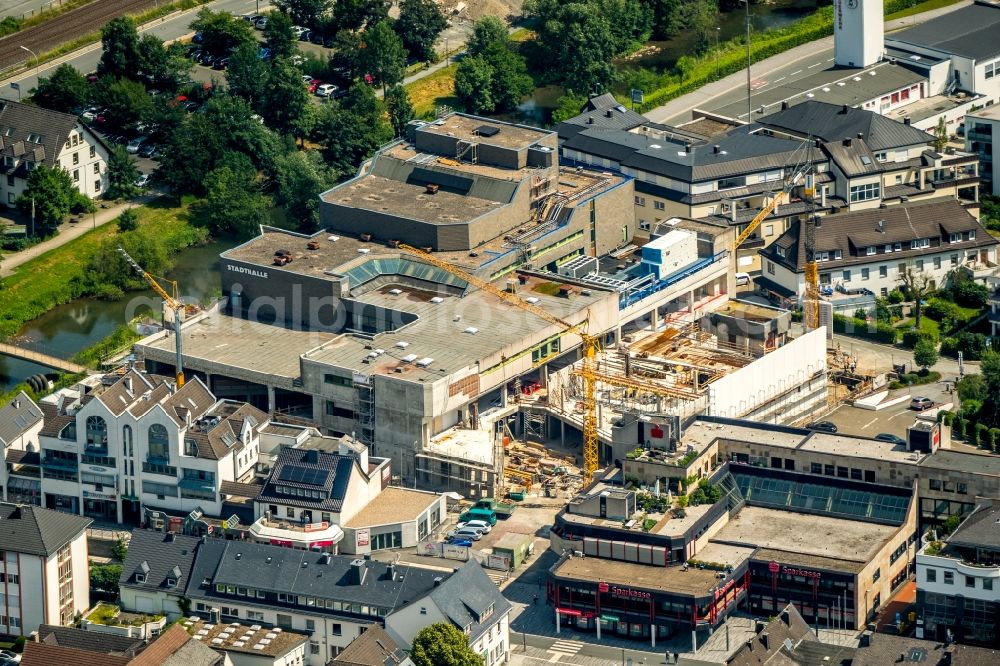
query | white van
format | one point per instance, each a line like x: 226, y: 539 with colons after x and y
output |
x: 742, y: 279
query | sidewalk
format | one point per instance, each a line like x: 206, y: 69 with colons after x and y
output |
x: 699, y: 98
x: 68, y: 232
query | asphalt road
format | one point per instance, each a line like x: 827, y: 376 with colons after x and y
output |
x: 25, y: 8
x: 168, y: 28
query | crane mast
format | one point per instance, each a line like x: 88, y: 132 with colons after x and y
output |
x: 172, y: 302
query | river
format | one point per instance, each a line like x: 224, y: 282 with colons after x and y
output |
x: 67, y: 329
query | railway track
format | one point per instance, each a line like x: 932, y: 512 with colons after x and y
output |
x: 63, y: 28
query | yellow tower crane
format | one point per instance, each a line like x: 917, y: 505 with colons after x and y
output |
x: 590, y: 346
x: 802, y: 172
x: 172, y: 302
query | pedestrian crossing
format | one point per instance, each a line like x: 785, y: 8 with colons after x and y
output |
x: 568, y: 648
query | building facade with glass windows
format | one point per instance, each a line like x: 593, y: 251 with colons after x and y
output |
x: 835, y: 548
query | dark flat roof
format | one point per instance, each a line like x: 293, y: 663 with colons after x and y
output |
x: 971, y: 31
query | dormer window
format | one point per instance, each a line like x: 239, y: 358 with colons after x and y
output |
x: 920, y: 243
x: 140, y: 578
x: 190, y: 447
x: 870, y: 250
x: 781, y: 252
x: 972, y: 235
x: 954, y: 238
x: 171, y: 582
x: 34, y: 138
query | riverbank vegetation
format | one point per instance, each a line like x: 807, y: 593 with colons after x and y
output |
x: 92, y: 266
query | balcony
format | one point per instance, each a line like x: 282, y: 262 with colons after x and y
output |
x: 111, y: 619
x: 152, y: 467
x: 102, y: 461
x: 291, y: 533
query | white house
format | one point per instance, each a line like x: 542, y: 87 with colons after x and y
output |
x: 44, y: 577
x: 31, y: 136
x: 958, y: 583
x: 114, y: 445
x: 20, y: 423
x: 870, y: 249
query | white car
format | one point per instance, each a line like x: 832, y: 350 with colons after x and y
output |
x: 134, y: 145
x: 480, y: 525
x: 326, y: 90
x: 466, y: 533
x: 143, y: 180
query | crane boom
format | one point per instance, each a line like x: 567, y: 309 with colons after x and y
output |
x: 172, y: 302
x: 590, y: 346
x: 778, y: 199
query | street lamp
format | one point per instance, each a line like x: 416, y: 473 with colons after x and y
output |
x: 25, y: 48
x: 717, y: 31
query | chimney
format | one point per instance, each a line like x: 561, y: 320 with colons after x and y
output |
x: 822, y: 196
x: 438, y: 580
x: 128, y: 383
x: 359, y: 569
x: 609, y: 114
x: 432, y: 188
x: 17, y: 403
x: 325, y: 558
x: 732, y: 211
x: 906, y: 120
x: 392, y: 571
x: 866, y: 639
x: 169, y: 538
x: 784, y: 105
x: 759, y: 627
x: 861, y: 135
x: 590, y: 120
x: 716, y: 149
x: 817, y: 221
x: 843, y: 110
x: 764, y: 641
x: 847, y: 142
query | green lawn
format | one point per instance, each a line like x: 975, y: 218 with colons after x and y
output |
x: 926, y: 324
x: 56, y: 277
x: 432, y: 91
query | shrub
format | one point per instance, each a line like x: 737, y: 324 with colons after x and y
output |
x: 879, y: 332
x: 966, y: 291
x: 972, y: 345
x: 972, y: 406
x: 942, y: 415
x: 914, y: 335
x: 982, y: 435
x: 958, y: 428
x: 971, y: 387
x: 896, y: 296
x: 995, y: 439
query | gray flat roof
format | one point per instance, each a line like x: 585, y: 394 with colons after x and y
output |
x: 991, y: 112
x: 456, y: 333
x: 858, y: 447
x: 801, y: 534
x: 591, y: 570
x: 467, y: 128
x: 703, y: 433
x: 330, y: 256
x: 835, y: 85
x: 970, y: 31
x: 960, y: 461
x: 393, y: 197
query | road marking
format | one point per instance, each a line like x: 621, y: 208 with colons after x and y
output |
x: 794, y: 73
x: 565, y: 647
x: 830, y: 60
x: 816, y: 65
x: 869, y: 424
x: 905, y: 411
x: 781, y: 79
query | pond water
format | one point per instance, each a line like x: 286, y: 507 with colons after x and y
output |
x: 67, y: 329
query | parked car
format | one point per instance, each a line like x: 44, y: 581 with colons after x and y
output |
x: 450, y: 542
x: 742, y: 279
x: 221, y: 63
x: 889, y: 437
x: 143, y: 180
x: 920, y: 403
x: 260, y: 23
x: 250, y: 18
x: 90, y: 114
x: 480, y: 525
x: 148, y: 149
x: 304, y: 35
x: 8, y: 658
x: 326, y: 90
x: 822, y: 426
x: 134, y: 145
x: 465, y: 533
x: 315, y: 37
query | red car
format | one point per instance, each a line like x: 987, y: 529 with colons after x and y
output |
x: 310, y: 83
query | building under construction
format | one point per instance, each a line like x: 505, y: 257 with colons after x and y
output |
x: 431, y: 356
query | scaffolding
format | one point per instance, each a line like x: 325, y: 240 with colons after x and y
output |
x: 364, y: 409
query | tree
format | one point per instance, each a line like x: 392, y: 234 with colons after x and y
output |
x: 50, y: 196
x: 382, y: 55
x: 989, y: 367
x: 940, y: 135
x: 163, y: 68
x: 221, y: 32
x: 487, y: 30
x: 352, y: 130
x: 442, y: 644
x: 278, y: 35
x: 66, y: 90
x: 285, y: 98
x: 300, y: 176
x: 699, y: 17
x: 397, y: 104
x: 126, y: 102
x: 234, y: 205
x: 358, y: 14
x: 917, y: 286
x: 247, y: 75
x: 474, y: 84
x: 971, y: 387
x: 568, y: 106
x: 120, y: 43
x: 122, y: 174
x: 105, y: 577
x: 128, y: 221
x: 925, y: 353
x: 511, y: 81
x: 346, y: 52
x: 303, y: 12
x: 120, y: 549
x: 419, y: 24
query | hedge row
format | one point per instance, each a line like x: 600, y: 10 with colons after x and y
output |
x: 879, y: 332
